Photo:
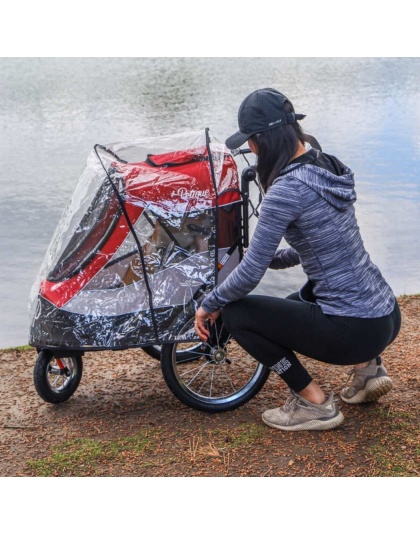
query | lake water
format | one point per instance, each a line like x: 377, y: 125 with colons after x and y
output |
x: 366, y: 111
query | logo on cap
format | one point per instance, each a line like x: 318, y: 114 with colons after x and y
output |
x: 275, y: 122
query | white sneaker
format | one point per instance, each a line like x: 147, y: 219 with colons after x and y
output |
x: 300, y: 414
x: 369, y: 383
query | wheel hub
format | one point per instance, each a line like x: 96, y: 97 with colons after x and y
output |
x: 218, y: 355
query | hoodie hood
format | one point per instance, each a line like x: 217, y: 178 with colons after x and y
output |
x: 327, y: 176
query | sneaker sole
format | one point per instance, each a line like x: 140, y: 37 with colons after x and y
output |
x: 315, y: 424
x: 375, y: 388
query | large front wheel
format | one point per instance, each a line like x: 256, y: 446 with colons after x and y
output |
x: 221, y: 376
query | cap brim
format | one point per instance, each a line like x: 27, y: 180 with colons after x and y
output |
x: 236, y: 140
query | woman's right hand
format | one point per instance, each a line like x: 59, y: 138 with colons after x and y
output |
x: 201, y: 318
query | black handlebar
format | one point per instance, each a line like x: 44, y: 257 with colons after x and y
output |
x: 237, y: 151
x: 248, y: 175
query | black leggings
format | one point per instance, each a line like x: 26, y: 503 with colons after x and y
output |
x: 270, y: 329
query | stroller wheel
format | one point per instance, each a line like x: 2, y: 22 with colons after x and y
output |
x: 191, y: 352
x: 153, y: 350
x: 57, y: 378
x: 220, y: 378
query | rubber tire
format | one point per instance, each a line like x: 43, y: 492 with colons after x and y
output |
x: 152, y: 351
x: 190, y: 400
x: 42, y: 385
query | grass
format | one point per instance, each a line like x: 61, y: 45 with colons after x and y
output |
x: 83, y: 457
x: 242, y: 436
x: 88, y: 457
x: 398, y: 453
x: 249, y: 435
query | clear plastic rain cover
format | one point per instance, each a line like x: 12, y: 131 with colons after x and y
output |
x: 151, y: 227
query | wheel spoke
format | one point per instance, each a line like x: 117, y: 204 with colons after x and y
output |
x: 205, y: 381
x: 205, y: 364
x: 229, y: 379
x: 217, y: 335
x: 208, y: 345
x: 55, y: 377
x: 211, y: 381
x: 192, y: 352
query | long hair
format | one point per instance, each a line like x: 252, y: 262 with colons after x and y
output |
x: 276, y: 147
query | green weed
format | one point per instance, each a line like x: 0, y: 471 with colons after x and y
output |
x: 398, y: 454
x: 87, y: 457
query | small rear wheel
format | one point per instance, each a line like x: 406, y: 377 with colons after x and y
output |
x: 57, y: 378
x: 219, y: 375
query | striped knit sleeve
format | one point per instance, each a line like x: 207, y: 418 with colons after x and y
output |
x: 281, y: 206
x: 285, y: 258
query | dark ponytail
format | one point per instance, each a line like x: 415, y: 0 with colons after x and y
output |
x: 276, y: 147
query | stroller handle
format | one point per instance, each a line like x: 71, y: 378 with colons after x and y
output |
x: 237, y: 151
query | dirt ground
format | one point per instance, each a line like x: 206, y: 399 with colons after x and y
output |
x: 124, y: 422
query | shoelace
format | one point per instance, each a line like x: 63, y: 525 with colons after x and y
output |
x: 350, y: 373
x: 290, y: 401
x: 293, y: 399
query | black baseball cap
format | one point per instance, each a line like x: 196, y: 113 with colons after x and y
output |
x: 261, y: 110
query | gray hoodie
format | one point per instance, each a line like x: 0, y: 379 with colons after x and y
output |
x: 311, y: 205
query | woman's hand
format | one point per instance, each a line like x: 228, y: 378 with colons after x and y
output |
x: 200, y: 326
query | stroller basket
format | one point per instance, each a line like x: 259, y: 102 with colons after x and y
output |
x: 151, y: 227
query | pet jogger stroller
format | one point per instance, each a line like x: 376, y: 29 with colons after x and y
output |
x: 152, y: 226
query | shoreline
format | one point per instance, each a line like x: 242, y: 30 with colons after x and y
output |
x: 29, y: 347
